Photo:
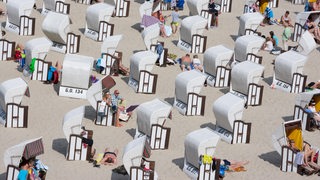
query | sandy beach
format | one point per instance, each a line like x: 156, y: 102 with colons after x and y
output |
x: 47, y: 109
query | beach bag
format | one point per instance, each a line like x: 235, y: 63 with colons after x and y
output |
x: 55, y: 77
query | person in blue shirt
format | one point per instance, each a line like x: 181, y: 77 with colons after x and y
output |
x: 115, y: 100
x: 275, y: 38
x: 24, y: 167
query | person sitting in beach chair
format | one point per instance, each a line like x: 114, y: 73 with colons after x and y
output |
x: 313, y: 28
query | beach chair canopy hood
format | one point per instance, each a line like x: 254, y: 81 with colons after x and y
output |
x: 200, y: 142
x: 152, y: 112
x: 111, y: 2
x: 18, y: 8
x: 98, y: 12
x: 76, y: 71
x: 249, y: 21
x: 27, y: 149
x: 306, y: 44
x: 110, y: 44
x: 227, y: 109
x: 143, y: 60
x: 150, y: 34
x: 188, y: 82
x: 288, y: 63
x: 216, y: 56
x: 195, y: 6
x: 247, y: 44
x: 56, y: 26
x: 12, y: 91
x: 146, y: 8
x: 245, y: 73
x: 190, y: 26
x: 303, y: 99
x: 94, y: 93
x: 133, y: 153
x: 288, y: 130
x: 72, y: 122
x: 37, y: 48
x: 302, y: 17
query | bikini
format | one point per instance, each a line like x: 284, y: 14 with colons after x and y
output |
x: 109, y: 153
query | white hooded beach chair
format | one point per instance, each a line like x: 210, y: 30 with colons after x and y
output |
x: 247, y: 47
x: 191, y: 34
x: 302, y: 101
x: 55, y: 5
x: 288, y: 71
x: 7, y: 50
x: 151, y: 117
x: 109, y: 55
x: 301, y: 19
x: 150, y: 35
x: 196, y: 6
x: 104, y: 115
x: 245, y: 82
x: 38, y: 48
x: 141, y: 79
x: 289, y: 130
x: 249, y: 23
x: 122, y: 7
x: 75, y: 79
x: 215, y: 61
x: 72, y: 130
x: 146, y: 8
x: 27, y: 149
x: 98, y: 18
x: 18, y: 20
x: 306, y: 44
x: 134, y: 160
x: 188, y: 100
x: 12, y: 113
x: 228, y: 111
x: 56, y: 27
x: 196, y: 144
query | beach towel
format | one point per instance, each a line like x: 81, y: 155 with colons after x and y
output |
x: 31, y: 67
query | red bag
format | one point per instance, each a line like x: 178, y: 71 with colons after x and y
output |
x: 55, y: 77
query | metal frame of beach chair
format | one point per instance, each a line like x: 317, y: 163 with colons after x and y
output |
x: 191, y: 38
x: 80, y: 66
x: 7, y: 50
x: 196, y: 144
x: 273, y: 4
x: 25, y: 25
x: 87, y: 2
x: 12, y: 113
x: 143, y: 172
x: 27, y: 149
x: 41, y: 69
x: 76, y: 149
x: 301, y: 113
x: 141, y: 79
x: 290, y: 63
x: 163, y: 56
x: 62, y: 7
x: 298, y: 1
x: 300, y: 22
x: 121, y: 9
x: 107, y: 119
x: 215, y: 62
x: 225, y: 6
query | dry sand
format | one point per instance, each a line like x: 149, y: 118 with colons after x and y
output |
x: 46, y: 108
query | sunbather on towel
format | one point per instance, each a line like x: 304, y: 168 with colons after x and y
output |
x: 185, y: 62
x: 235, y: 166
x: 106, y: 158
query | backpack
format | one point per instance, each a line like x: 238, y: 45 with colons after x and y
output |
x: 55, y: 77
x: 50, y: 73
